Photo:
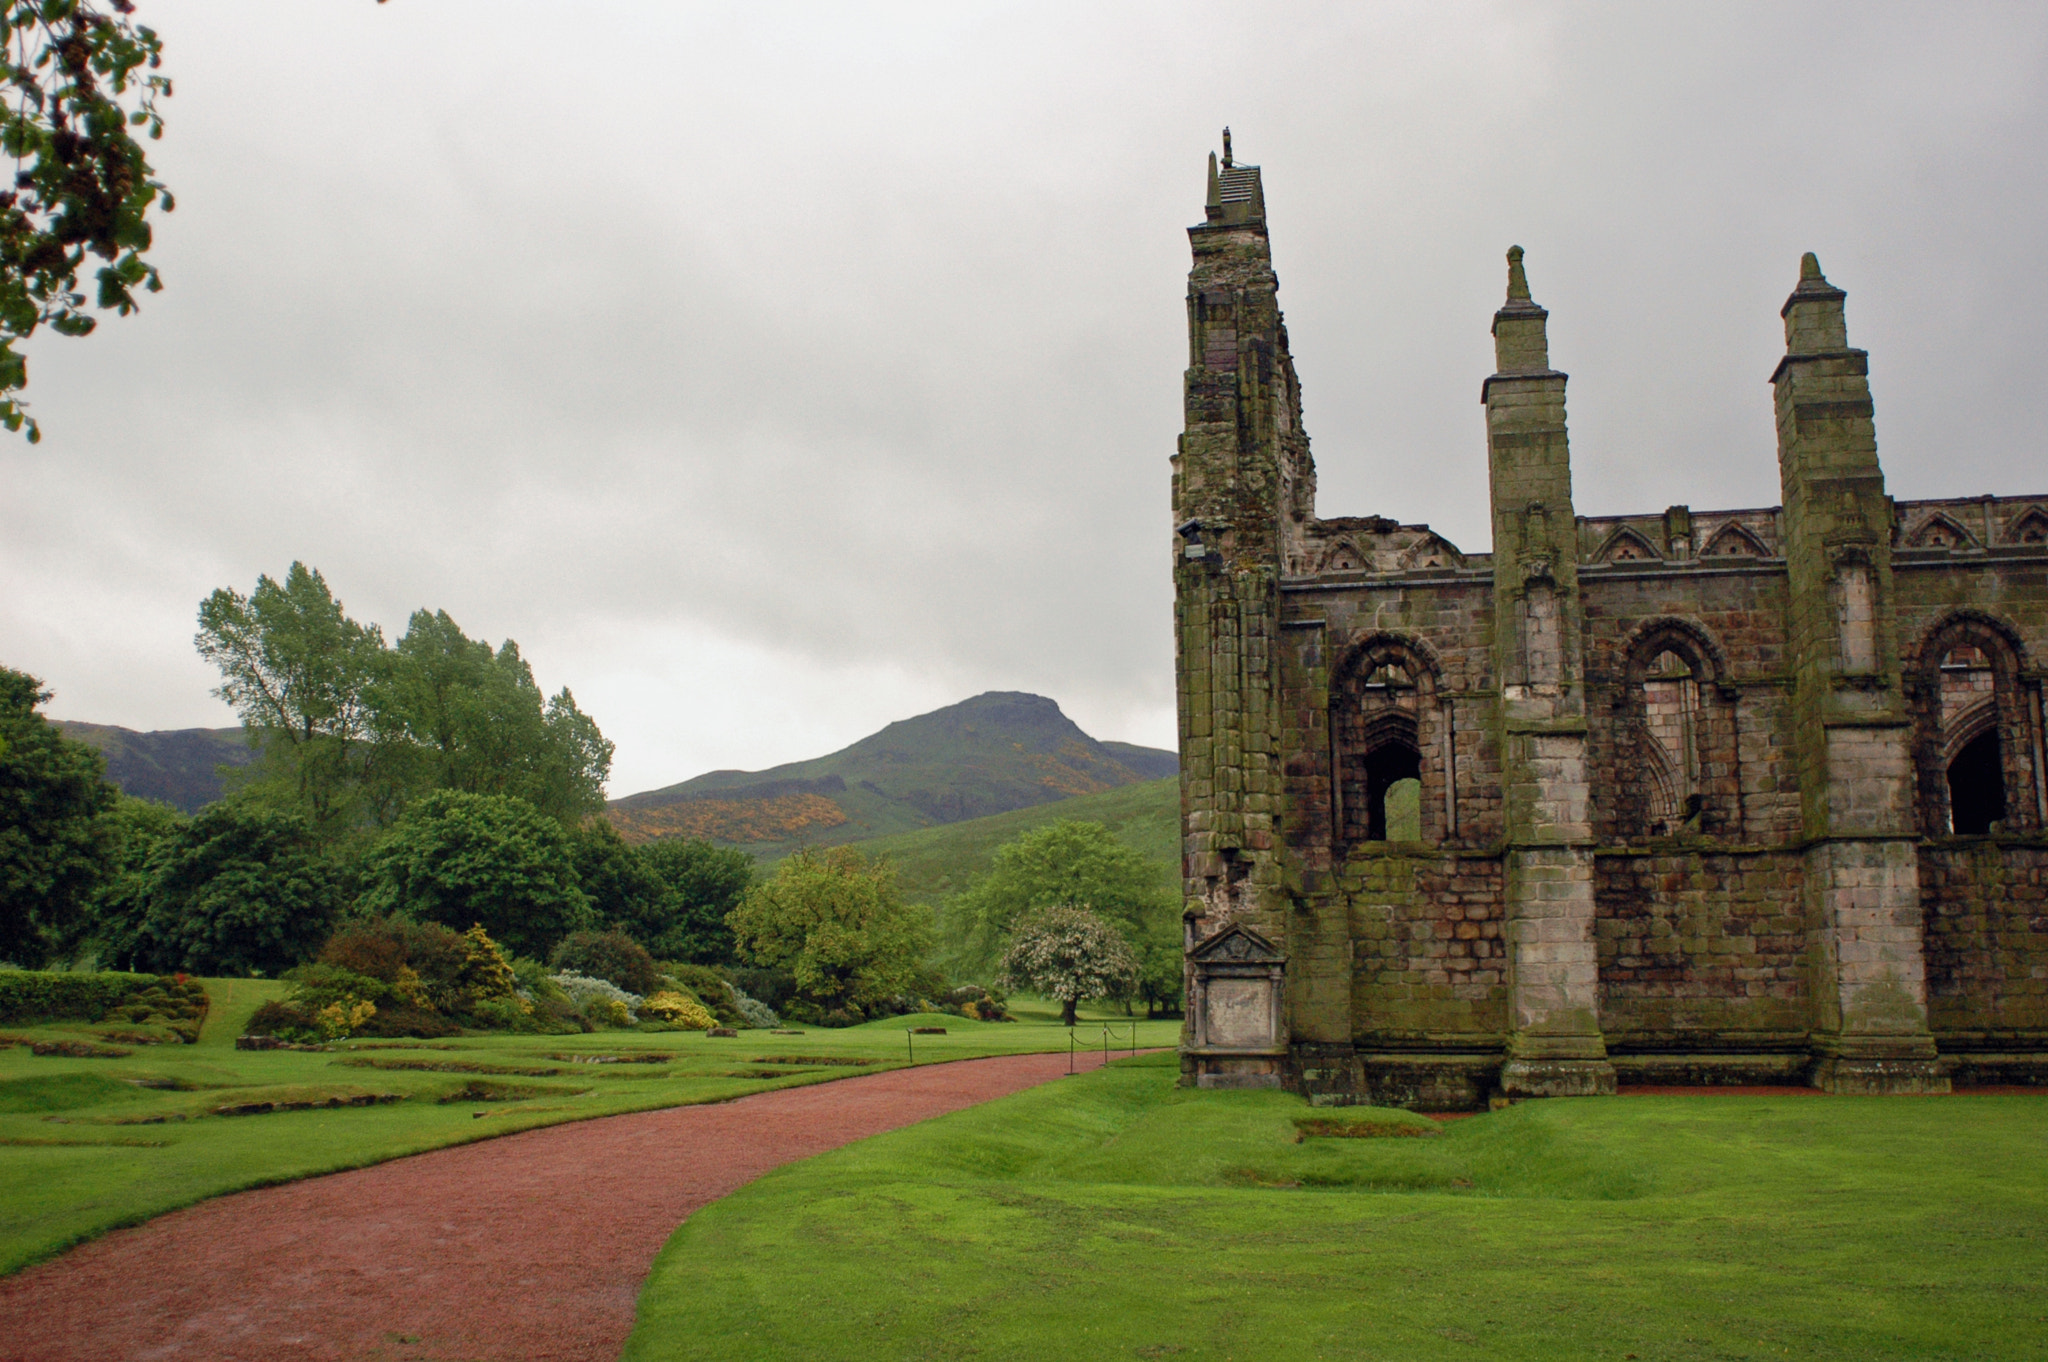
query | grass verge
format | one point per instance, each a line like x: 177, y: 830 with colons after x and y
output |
x: 1113, y: 1215
x: 92, y: 1144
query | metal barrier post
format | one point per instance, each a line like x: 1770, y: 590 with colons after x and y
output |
x: 910, y: 1042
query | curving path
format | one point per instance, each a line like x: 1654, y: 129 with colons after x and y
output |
x: 525, y: 1247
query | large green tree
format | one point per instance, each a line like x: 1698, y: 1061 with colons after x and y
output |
x: 702, y: 884
x: 350, y: 731
x: 474, y: 719
x: 1067, y: 862
x: 299, y: 673
x: 52, y: 846
x: 77, y: 78
x: 239, y: 889
x: 834, y: 920
x: 464, y: 859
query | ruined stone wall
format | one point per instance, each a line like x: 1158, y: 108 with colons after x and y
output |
x: 1986, y: 907
x: 1429, y: 959
x: 1701, y: 948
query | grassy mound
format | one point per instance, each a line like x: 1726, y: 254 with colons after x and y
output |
x: 1114, y: 1215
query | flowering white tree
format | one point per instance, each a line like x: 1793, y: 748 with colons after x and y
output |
x: 1067, y: 954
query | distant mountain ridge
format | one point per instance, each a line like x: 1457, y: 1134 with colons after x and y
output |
x: 999, y: 751
x: 177, y: 766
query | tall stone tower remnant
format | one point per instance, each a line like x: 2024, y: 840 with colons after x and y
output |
x: 1695, y: 796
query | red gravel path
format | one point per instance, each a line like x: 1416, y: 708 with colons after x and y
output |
x: 527, y: 1247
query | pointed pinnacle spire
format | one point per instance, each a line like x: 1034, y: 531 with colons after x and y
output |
x: 1226, y: 148
x: 1809, y: 268
x: 1518, y: 280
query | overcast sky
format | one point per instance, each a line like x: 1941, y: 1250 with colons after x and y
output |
x: 771, y: 372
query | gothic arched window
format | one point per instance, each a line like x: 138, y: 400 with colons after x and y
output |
x: 1390, y: 735
x: 1975, y: 745
x: 1672, y: 746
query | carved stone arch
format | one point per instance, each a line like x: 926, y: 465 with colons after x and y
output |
x: 1941, y: 531
x: 1687, y: 637
x: 1389, y: 722
x: 1956, y: 707
x: 1671, y: 743
x: 1733, y: 541
x: 1432, y: 551
x: 2030, y: 528
x: 1345, y: 556
x: 1381, y: 647
x: 1627, y: 545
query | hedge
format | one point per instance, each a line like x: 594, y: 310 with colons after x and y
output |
x: 37, y: 995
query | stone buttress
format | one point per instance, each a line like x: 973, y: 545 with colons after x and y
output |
x: 1852, y: 725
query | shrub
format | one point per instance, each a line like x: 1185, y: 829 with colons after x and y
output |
x: 283, y: 1020
x: 977, y: 1003
x: 773, y: 987
x: 677, y: 1010
x: 755, y: 1014
x: 712, y: 988
x: 37, y: 995
x: 395, y: 1020
x: 613, y: 956
x: 598, y: 1001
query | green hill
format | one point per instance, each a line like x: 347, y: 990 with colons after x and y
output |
x: 933, y: 863
x: 993, y: 754
x: 179, y: 766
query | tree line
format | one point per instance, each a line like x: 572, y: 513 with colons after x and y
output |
x: 431, y: 780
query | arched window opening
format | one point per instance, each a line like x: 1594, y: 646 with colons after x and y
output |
x: 1978, y: 747
x: 1393, y: 794
x: 1671, y: 720
x: 1976, y: 787
x: 1671, y: 763
x: 1392, y: 747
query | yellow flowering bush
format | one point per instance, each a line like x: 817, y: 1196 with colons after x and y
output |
x: 677, y: 1009
x: 339, y: 1020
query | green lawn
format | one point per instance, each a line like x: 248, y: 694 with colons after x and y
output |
x: 1112, y: 1215
x: 86, y: 1147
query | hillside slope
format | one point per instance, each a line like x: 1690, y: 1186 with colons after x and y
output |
x: 933, y: 863
x: 997, y: 752
x: 175, y: 765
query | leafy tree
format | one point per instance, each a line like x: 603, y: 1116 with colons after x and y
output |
x: 350, y: 730
x: 1065, y: 862
x: 702, y: 884
x: 52, y: 846
x: 238, y: 890
x: 135, y: 833
x: 473, y: 719
x: 298, y: 671
x: 461, y: 859
x: 623, y: 890
x: 834, y: 920
x: 1069, y: 954
x: 1162, y: 975
x: 77, y: 79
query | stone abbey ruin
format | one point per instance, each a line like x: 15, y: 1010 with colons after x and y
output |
x: 1749, y: 796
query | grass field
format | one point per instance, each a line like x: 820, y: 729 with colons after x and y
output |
x: 1112, y: 1215
x: 90, y: 1144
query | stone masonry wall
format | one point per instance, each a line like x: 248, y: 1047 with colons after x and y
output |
x: 1700, y: 948
x: 1430, y: 959
x: 1986, y: 909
